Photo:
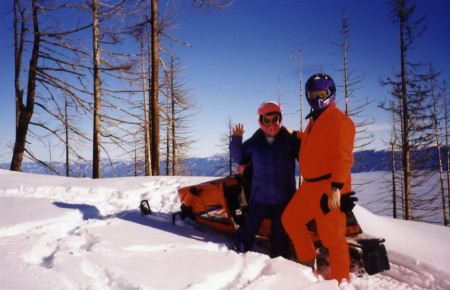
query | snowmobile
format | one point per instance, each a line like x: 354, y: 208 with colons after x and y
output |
x: 221, y: 204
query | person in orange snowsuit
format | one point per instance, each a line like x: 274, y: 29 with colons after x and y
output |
x: 326, y: 157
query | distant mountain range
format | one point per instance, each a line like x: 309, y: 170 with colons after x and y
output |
x: 210, y: 166
x: 365, y: 161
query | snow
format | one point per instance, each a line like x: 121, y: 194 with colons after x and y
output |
x: 80, y: 233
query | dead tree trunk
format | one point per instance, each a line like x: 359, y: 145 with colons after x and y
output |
x: 24, y: 112
x: 174, y: 141
x: 297, y: 55
x: 97, y: 93
x: 67, y: 140
x: 146, y: 110
x: 438, y: 147
x: 394, y: 190
x: 447, y: 144
x: 406, y: 153
x: 154, y: 100
x: 346, y: 73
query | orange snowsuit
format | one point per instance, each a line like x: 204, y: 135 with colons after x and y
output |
x: 326, y: 157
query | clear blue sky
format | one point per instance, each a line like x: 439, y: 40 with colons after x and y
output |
x: 241, y: 57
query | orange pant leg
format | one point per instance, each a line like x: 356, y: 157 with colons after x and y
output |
x: 295, y: 217
x: 331, y: 228
x: 304, y: 206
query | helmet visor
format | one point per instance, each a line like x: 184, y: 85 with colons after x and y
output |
x: 318, y: 94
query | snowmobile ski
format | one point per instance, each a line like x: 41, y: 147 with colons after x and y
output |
x: 145, y: 207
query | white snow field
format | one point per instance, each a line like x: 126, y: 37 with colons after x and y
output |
x: 80, y: 233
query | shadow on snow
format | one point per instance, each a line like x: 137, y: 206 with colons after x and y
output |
x: 88, y: 211
x: 161, y: 221
x: 185, y: 228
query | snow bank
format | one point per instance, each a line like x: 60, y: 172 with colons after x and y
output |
x: 79, y: 233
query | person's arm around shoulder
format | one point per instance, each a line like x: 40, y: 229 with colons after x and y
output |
x: 297, y: 142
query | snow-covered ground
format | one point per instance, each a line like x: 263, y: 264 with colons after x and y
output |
x: 75, y: 233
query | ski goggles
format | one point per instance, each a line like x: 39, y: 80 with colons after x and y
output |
x: 318, y: 94
x: 268, y: 120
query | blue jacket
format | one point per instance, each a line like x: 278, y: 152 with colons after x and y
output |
x: 273, y: 179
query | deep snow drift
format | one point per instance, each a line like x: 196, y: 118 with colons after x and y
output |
x: 78, y: 233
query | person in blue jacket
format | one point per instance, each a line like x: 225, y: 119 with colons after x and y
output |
x: 272, y: 151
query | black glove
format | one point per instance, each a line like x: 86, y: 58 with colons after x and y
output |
x: 348, y: 201
x: 324, y: 203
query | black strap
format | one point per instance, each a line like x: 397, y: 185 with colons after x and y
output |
x: 320, y: 178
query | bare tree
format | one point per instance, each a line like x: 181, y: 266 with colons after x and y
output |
x: 43, y: 43
x: 447, y: 145
x: 176, y: 113
x: 142, y: 31
x: 109, y: 63
x: 225, y: 140
x: 24, y: 109
x: 65, y: 79
x: 297, y: 55
x: 60, y: 121
x: 354, y: 107
x: 149, y: 29
x: 154, y: 99
x: 146, y: 126
x: 97, y: 91
x: 402, y: 12
x: 422, y: 199
x: 437, y: 119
